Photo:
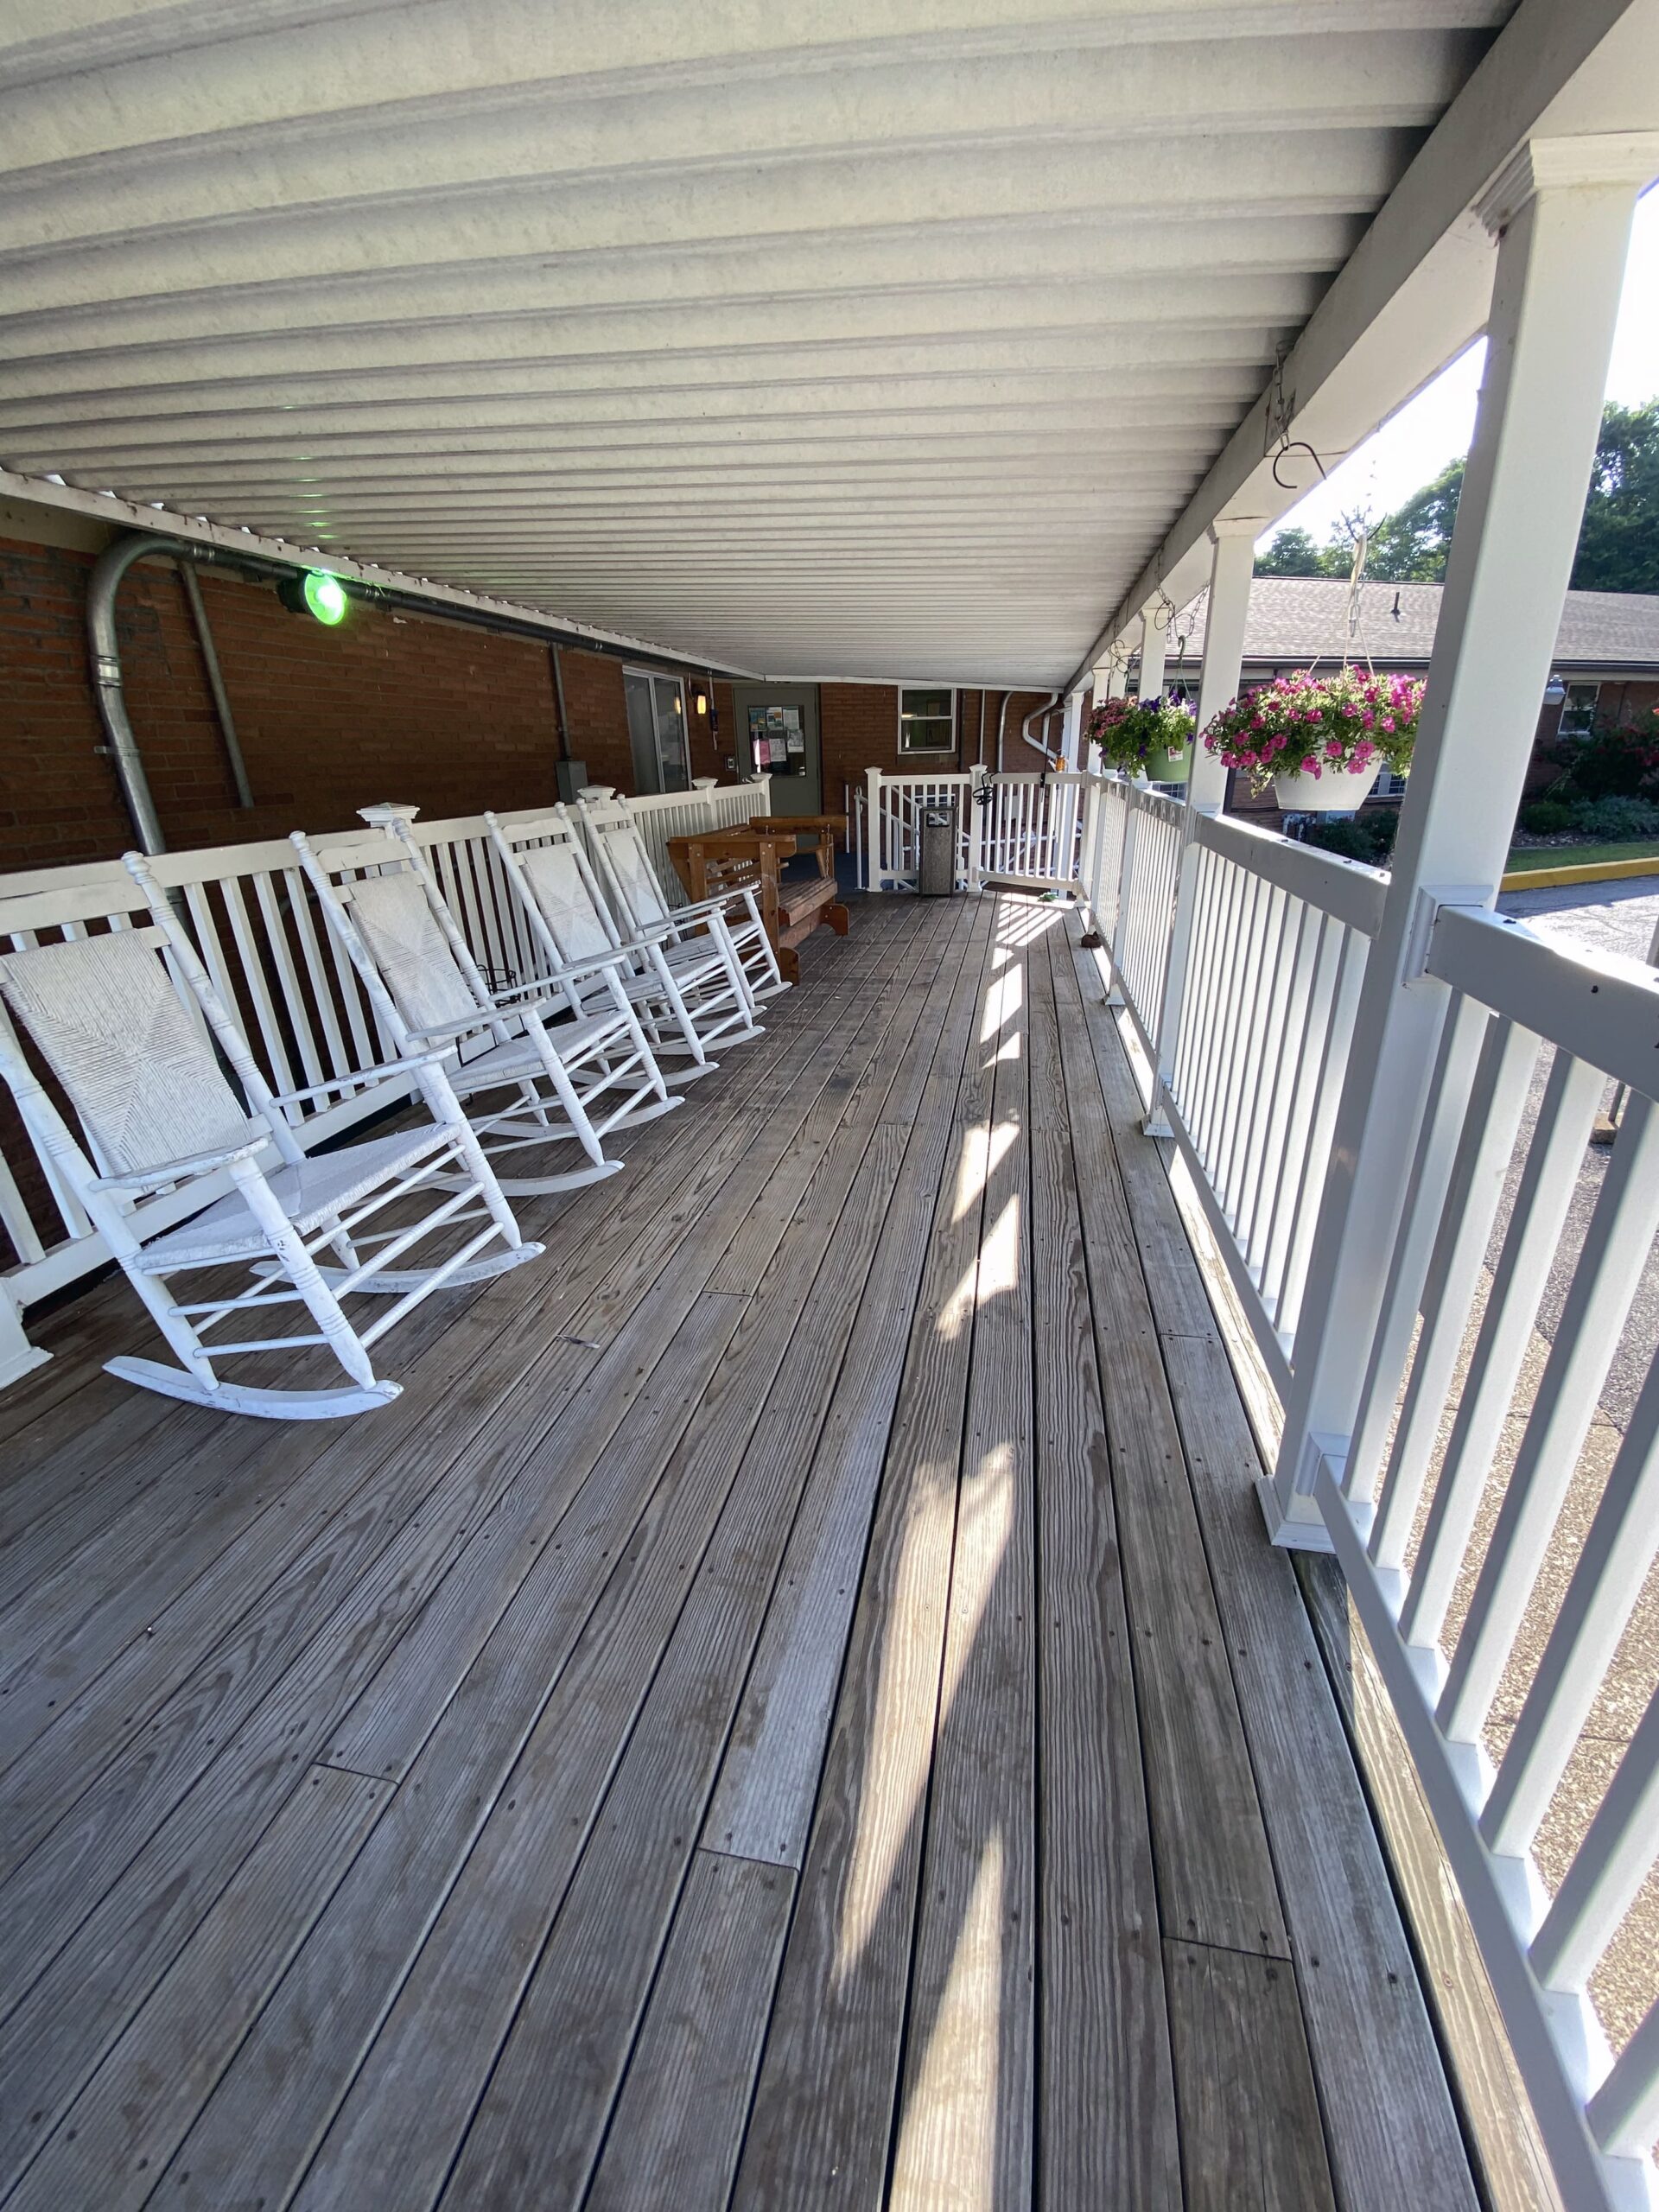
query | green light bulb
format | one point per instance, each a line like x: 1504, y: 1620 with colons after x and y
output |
x: 326, y: 596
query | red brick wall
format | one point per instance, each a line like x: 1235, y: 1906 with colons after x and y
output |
x: 446, y: 716
x: 860, y: 728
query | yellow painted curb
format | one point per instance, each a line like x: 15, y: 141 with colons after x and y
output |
x: 1546, y: 878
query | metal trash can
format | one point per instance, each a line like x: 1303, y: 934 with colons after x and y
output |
x: 936, y: 861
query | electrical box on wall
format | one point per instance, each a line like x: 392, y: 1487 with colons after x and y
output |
x: 573, y: 777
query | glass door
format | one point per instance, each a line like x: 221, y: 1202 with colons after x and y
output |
x: 656, y: 731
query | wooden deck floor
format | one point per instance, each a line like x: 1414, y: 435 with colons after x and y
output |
x: 791, y: 1708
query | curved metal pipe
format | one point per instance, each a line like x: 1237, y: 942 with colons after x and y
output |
x: 108, y: 688
x: 1046, y: 708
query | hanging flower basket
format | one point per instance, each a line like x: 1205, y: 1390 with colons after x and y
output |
x: 1149, y: 738
x: 1320, y: 741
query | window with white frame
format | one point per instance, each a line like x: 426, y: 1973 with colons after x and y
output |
x: 1579, y: 710
x: 1388, y: 785
x: 927, y: 720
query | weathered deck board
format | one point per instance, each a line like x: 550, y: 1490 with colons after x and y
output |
x: 1108, y: 2133
x: 1393, y: 2133
x: 966, y: 2117
x: 1215, y: 1873
x: 1250, y: 2138
x: 674, y: 2138
x: 811, y: 1560
x: 836, y: 2041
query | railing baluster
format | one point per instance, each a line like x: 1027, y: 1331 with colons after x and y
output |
x: 1621, y: 1234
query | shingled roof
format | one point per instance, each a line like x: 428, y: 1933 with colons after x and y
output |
x: 1295, y: 620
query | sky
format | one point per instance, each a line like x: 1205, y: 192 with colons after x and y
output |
x: 1415, y: 445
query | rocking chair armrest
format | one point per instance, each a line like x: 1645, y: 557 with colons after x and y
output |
x: 571, y: 971
x: 640, y: 940
x: 180, y: 1171
x: 452, y: 1034
x: 743, y: 896
x: 387, y: 1071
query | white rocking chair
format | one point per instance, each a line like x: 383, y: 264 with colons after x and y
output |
x: 636, y: 893
x: 131, y: 1049
x: 524, y: 1082
x: 688, y: 994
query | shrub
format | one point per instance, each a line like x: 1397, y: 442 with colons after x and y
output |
x: 1547, y: 818
x: 1612, y: 818
x: 1129, y: 731
x: 1615, y: 761
x: 1308, y: 723
x: 1369, y: 837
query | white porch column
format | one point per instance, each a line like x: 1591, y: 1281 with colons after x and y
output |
x: 1562, y: 212
x: 1072, y: 730
x: 1231, y: 560
x: 1154, y: 640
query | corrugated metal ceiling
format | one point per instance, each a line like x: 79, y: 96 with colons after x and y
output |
x: 855, y: 338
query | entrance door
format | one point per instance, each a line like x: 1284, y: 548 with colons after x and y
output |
x: 662, y: 761
x: 778, y: 736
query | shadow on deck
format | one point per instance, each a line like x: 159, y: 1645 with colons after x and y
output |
x: 793, y: 1706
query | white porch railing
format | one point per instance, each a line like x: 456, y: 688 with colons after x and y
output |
x: 893, y: 826
x: 1011, y: 829
x: 270, y: 955
x: 1496, y: 1562
x: 1027, y: 828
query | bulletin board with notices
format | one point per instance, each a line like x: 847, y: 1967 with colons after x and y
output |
x: 778, y: 741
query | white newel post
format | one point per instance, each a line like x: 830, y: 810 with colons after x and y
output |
x: 1562, y: 212
x: 1231, y: 560
x: 875, y: 837
x: 1071, y: 730
x: 1154, y: 639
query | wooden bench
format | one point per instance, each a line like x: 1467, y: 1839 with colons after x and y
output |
x: 791, y: 908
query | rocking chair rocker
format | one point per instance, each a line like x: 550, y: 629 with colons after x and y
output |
x: 179, y: 1174
x: 526, y: 1079
x: 688, y: 994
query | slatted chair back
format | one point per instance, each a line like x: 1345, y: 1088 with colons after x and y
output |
x: 545, y: 860
x: 134, y: 1033
x: 138, y: 1072
x: 414, y: 963
x: 631, y: 879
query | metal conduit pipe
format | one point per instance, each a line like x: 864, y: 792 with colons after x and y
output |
x: 108, y: 688
x: 1046, y: 708
x: 216, y: 685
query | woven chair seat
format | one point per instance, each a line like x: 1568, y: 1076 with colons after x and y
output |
x: 506, y: 1063
x: 308, y: 1194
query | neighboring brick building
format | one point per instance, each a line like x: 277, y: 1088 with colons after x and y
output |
x: 1606, y: 661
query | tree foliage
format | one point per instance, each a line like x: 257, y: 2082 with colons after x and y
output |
x: 1293, y: 553
x: 1618, y: 546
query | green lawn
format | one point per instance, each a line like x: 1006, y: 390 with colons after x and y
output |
x: 1542, y: 856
